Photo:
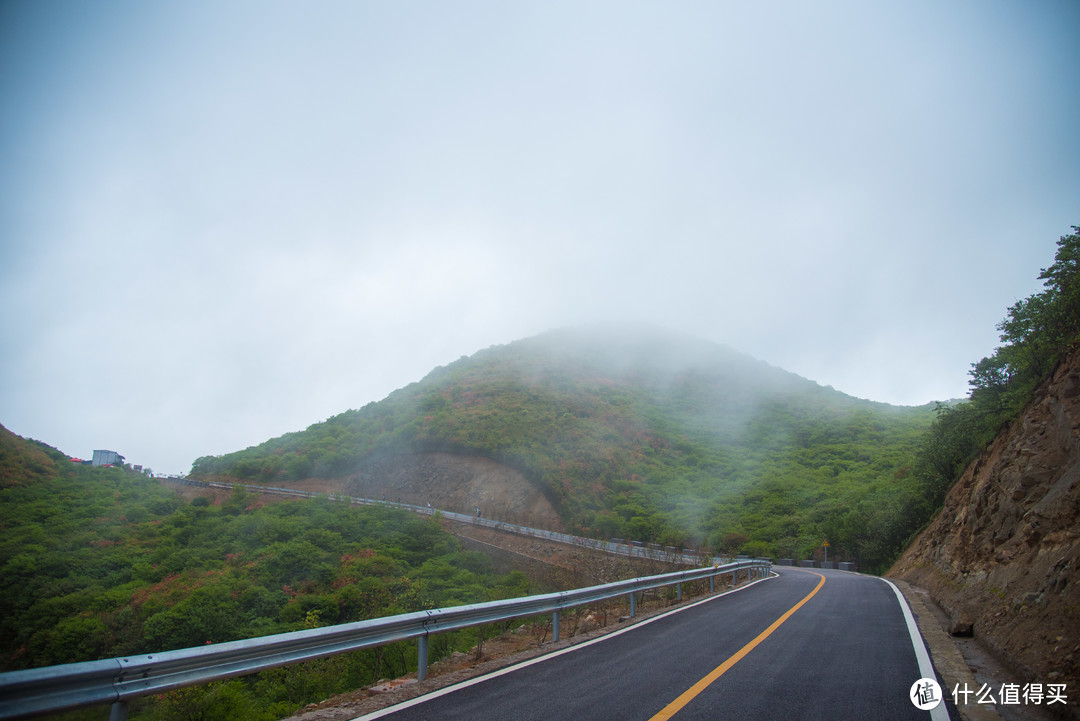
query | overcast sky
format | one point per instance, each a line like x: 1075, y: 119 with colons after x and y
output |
x: 223, y: 221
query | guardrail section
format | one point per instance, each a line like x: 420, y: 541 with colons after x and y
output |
x: 52, y: 689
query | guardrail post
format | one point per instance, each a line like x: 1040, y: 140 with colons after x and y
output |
x: 421, y: 658
x: 678, y: 592
x: 633, y: 606
x: 712, y: 584
x: 118, y: 711
x: 555, y: 627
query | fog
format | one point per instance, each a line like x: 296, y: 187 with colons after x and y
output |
x: 220, y: 222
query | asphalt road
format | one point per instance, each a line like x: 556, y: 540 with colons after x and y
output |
x: 844, y: 653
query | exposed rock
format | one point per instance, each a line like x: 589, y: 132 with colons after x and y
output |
x: 962, y: 625
x: 589, y: 623
x: 1004, y: 553
x: 385, y: 685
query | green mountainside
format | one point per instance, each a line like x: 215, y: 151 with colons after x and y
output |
x: 638, y: 433
x: 103, y: 562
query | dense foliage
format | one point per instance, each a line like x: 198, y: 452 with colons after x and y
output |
x: 1036, y: 333
x: 638, y: 434
x: 101, y: 562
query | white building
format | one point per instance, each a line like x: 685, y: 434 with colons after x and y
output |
x: 107, y: 458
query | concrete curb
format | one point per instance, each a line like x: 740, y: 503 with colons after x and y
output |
x: 947, y: 658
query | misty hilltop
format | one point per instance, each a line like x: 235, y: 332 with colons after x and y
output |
x: 624, y: 431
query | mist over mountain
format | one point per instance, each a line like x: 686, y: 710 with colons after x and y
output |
x: 633, y: 432
x: 625, y: 431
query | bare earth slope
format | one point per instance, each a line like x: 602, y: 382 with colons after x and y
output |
x: 1004, y: 553
x: 448, y: 481
x: 455, y: 482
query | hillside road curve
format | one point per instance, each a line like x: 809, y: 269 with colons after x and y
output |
x: 803, y: 644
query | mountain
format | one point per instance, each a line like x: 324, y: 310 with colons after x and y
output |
x: 1003, y: 555
x: 105, y: 562
x: 1000, y: 475
x: 634, y: 432
x: 25, y: 462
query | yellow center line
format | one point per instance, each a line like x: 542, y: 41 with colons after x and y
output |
x: 687, y: 696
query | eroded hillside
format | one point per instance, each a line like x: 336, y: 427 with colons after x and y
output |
x: 449, y: 481
x: 1004, y: 553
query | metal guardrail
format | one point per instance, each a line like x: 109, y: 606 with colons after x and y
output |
x: 52, y: 689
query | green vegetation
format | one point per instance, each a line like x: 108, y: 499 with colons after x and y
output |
x: 649, y: 436
x: 98, y: 563
x: 1036, y: 333
x: 660, y: 437
x: 644, y: 435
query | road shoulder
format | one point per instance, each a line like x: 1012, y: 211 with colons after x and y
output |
x: 963, y: 661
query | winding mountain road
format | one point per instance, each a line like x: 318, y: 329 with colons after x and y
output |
x: 804, y: 644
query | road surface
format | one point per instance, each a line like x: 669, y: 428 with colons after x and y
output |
x: 806, y: 644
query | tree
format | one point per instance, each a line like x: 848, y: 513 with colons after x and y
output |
x: 733, y: 542
x: 1063, y: 289
x: 1035, y: 332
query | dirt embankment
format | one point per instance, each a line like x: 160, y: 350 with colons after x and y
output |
x: 448, y: 481
x: 458, y: 483
x: 1003, y: 556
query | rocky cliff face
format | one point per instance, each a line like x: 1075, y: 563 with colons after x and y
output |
x: 1004, y: 554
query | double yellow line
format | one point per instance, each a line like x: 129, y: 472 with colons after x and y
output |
x: 687, y: 696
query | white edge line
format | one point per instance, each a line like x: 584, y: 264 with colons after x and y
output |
x: 546, y: 657
x: 926, y: 669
